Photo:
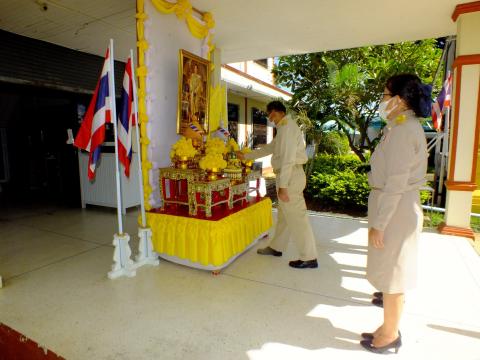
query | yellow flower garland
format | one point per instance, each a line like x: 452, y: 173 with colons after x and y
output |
x: 142, y: 46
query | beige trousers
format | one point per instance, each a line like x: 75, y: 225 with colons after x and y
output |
x: 292, y: 219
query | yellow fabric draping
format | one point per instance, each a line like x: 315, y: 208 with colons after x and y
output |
x: 209, y: 242
x: 218, y: 107
x: 183, y: 10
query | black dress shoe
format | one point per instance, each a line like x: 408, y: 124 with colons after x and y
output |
x: 396, y: 344
x: 378, y: 294
x: 377, y: 302
x: 269, y: 251
x: 367, y: 336
x: 300, y: 264
x: 370, y: 336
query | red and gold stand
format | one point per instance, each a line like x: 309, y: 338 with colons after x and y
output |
x: 207, y: 224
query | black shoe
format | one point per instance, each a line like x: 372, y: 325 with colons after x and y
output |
x: 269, y: 251
x: 367, y: 336
x: 370, y: 336
x: 377, y: 302
x: 378, y: 294
x: 300, y: 264
x: 396, y: 344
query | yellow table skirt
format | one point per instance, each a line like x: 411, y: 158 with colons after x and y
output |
x: 207, y: 242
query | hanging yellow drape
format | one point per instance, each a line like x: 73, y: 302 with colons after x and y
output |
x: 184, y: 11
x: 218, y: 107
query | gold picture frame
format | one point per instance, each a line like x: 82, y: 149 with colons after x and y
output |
x: 193, y: 91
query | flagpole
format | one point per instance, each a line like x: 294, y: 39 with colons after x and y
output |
x: 122, y: 264
x: 444, y: 153
x: 113, y: 113
x: 135, y: 108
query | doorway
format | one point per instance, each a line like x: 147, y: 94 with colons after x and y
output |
x: 38, y: 167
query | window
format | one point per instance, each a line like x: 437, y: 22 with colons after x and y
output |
x: 259, y: 121
x: 233, y: 116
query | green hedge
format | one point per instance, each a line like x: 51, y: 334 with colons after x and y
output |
x: 340, y: 181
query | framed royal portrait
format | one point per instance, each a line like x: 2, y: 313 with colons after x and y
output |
x: 193, y: 91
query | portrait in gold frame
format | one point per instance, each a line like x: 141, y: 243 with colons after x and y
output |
x: 193, y: 91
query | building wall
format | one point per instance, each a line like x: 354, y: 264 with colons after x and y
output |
x: 245, y: 126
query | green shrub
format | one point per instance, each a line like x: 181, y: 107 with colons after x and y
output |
x: 425, y: 197
x: 342, y: 189
x: 333, y: 142
x: 325, y: 163
x: 339, y: 181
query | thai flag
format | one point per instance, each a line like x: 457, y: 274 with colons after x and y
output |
x: 126, y: 120
x: 443, y: 102
x: 92, y: 131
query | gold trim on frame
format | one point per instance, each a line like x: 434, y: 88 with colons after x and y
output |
x: 192, y: 108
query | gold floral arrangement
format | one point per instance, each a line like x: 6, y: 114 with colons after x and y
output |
x: 215, y: 146
x: 183, y: 148
x: 212, y: 161
x: 246, y: 150
x: 248, y: 163
x: 232, y: 145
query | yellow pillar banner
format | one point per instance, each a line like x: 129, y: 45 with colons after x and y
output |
x: 217, y: 107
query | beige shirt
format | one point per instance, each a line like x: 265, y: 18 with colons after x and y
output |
x: 287, y: 149
x: 399, y: 164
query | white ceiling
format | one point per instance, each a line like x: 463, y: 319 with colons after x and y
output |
x: 84, y: 25
x: 246, y: 29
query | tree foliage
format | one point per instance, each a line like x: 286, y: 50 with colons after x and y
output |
x: 346, y: 85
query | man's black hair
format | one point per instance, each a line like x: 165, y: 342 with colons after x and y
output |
x: 277, y: 106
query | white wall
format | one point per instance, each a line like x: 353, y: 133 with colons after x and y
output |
x: 165, y: 35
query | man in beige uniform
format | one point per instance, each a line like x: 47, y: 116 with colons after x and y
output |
x: 288, y: 156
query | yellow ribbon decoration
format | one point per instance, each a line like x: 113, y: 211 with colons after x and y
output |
x: 183, y: 10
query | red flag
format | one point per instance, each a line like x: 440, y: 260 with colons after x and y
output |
x: 91, y: 134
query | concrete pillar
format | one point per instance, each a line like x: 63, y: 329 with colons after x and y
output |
x: 464, y: 135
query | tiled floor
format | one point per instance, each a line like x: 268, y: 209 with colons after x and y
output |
x: 54, y: 264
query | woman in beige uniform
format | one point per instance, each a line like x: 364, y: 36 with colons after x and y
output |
x: 395, y: 217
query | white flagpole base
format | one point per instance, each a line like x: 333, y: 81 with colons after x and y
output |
x: 146, y: 255
x: 122, y: 264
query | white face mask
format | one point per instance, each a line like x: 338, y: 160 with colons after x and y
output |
x: 382, y: 109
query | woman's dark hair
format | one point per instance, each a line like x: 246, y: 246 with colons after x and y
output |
x: 409, y: 87
x: 277, y: 106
